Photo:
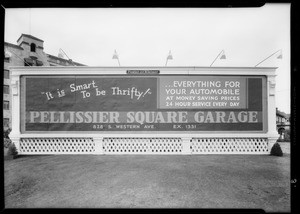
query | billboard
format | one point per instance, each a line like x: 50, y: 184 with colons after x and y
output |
x: 143, y: 103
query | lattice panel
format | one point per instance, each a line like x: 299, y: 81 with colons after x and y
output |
x: 229, y: 145
x: 166, y: 146
x: 57, y: 146
x: 142, y: 145
x: 125, y: 145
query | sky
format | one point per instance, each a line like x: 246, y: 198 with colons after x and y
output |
x: 144, y: 36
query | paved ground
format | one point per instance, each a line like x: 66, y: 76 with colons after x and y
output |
x: 149, y: 181
x: 285, y: 147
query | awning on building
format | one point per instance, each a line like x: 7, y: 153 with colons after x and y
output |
x: 28, y: 60
x: 39, y: 63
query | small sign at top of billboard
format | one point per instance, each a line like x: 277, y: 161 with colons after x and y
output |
x: 142, y: 71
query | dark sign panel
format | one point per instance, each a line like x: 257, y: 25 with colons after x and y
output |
x: 139, y: 103
x: 202, y: 92
x: 142, y: 71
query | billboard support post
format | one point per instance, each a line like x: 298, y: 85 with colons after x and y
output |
x: 186, y: 146
x: 98, y: 146
x: 273, y: 135
x: 15, y: 90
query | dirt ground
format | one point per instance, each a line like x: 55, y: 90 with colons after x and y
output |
x: 148, y: 181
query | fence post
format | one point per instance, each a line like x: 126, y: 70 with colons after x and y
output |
x: 186, y: 146
x: 98, y: 146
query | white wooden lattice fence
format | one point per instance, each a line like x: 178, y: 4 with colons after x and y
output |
x: 30, y: 146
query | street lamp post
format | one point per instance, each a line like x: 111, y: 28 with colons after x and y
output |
x: 278, y: 57
x: 169, y: 57
x: 115, y: 56
x: 223, y: 56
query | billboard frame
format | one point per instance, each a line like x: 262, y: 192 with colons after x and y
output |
x: 269, y: 72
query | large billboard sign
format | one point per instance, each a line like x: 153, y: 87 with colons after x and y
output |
x: 143, y: 103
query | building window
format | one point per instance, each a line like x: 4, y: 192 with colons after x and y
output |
x: 7, y: 56
x: 6, y: 89
x: 6, y: 105
x: 6, y: 59
x: 5, y: 122
x: 6, y: 74
x: 32, y: 47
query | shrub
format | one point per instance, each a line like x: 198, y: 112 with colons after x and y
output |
x: 6, y: 142
x: 276, y: 150
x: 6, y: 133
x: 12, y: 150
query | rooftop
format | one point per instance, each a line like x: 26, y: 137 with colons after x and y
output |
x: 65, y: 60
x: 29, y: 36
x: 282, y: 114
x: 13, y: 46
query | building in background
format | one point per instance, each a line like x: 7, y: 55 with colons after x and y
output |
x: 282, y: 123
x: 29, y: 51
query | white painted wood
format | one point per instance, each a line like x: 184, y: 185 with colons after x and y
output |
x: 82, y: 70
x: 98, y: 146
x: 144, y: 146
x: 15, y: 133
x: 186, y: 146
x: 272, y: 132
